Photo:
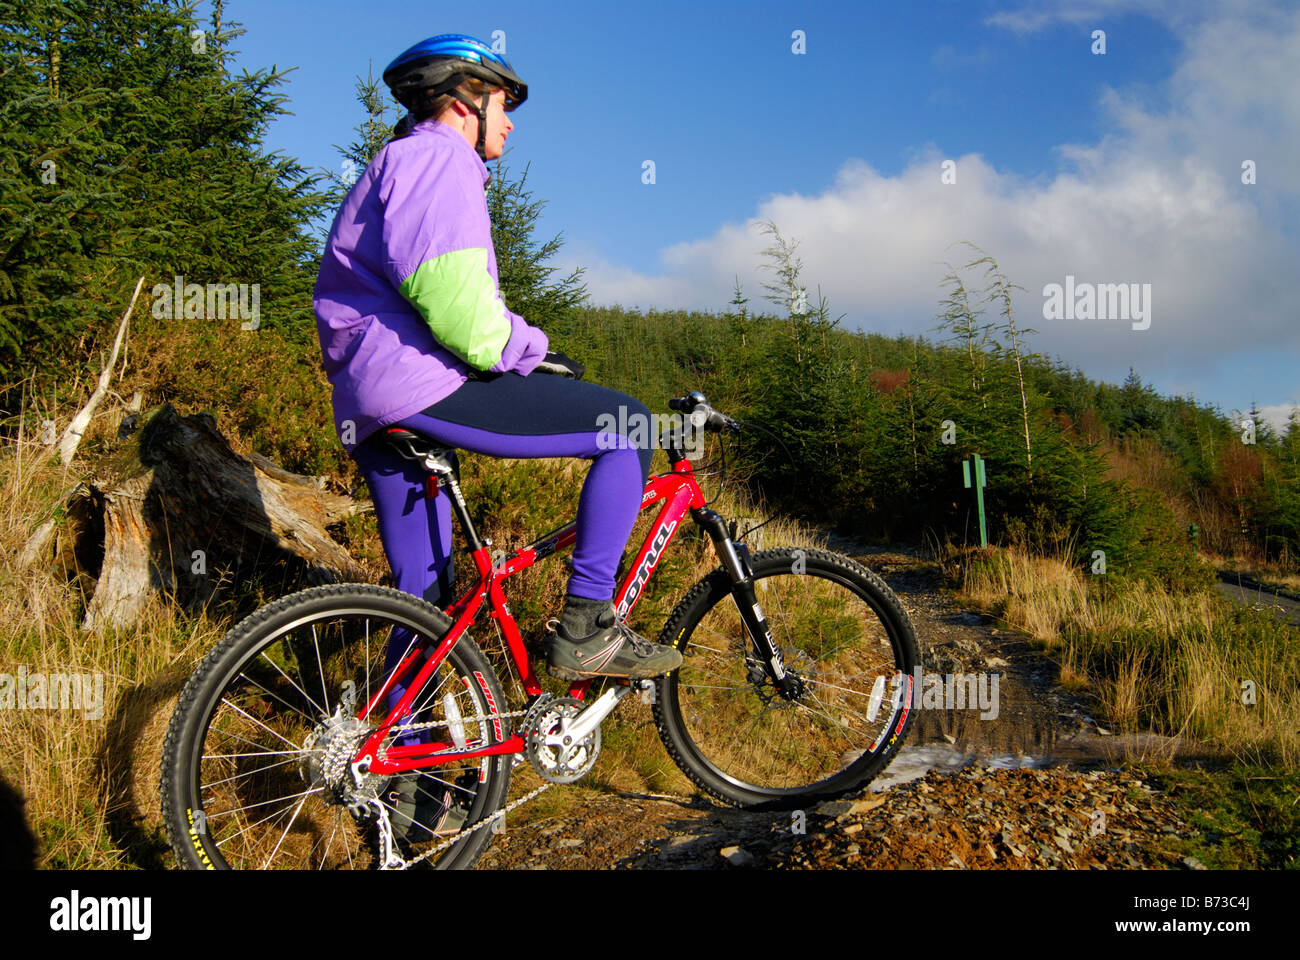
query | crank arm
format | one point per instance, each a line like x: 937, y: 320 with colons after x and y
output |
x: 581, y: 726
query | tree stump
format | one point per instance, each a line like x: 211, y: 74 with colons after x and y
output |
x: 174, y: 510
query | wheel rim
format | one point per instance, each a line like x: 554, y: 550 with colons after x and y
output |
x: 856, y: 694
x: 283, y: 715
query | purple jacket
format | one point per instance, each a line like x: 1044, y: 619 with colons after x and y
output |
x: 407, y: 300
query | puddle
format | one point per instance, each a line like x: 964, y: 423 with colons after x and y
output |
x: 1030, y: 729
x: 1025, y: 721
x: 914, y: 762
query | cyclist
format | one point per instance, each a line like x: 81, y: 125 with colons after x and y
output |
x: 414, y: 333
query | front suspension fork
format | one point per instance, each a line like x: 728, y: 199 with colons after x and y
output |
x: 735, y: 560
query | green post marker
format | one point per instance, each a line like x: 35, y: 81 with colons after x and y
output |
x: 979, y: 492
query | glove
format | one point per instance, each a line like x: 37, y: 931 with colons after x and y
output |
x: 561, y: 366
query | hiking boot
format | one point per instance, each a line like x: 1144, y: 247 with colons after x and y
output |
x: 591, y: 641
x: 422, y: 807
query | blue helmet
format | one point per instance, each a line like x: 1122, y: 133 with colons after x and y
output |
x: 438, y: 65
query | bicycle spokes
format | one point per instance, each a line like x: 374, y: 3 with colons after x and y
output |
x: 278, y: 779
x: 827, y: 713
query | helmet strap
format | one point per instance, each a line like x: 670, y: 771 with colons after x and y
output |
x: 482, y: 125
x: 481, y: 110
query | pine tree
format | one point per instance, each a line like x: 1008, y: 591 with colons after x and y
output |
x: 526, y: 280
x: 161, y: 171
x: 374, y: 130
x: 998, y: 291
x: 55, y: 190
x: 740, y: 314
x: 1139, y: 407
x: 788, y: 293
x: 960, y: 319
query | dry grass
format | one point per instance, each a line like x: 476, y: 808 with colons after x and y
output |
x: 1283, y: 581
x: 91, y: 782
x: 89, y: 775
x: 1181, y: 664
x: 1270, y: 575
x: 1037, y: 594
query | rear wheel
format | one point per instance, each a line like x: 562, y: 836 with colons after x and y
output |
x: 846, y: 639
x: 256, y: 765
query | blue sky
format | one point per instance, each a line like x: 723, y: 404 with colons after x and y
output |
x: 1122, y: 167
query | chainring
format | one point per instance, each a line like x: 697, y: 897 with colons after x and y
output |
x: 544, y: 741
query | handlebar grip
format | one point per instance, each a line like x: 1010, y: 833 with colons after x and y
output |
x: 688, y: 403
x: 697, y: 409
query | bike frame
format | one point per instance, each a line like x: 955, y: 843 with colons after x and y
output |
x: 677, y: 491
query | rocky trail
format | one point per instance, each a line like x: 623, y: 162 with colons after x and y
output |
x: 1035, y: 784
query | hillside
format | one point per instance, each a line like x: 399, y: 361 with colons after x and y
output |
x: 1109, y: 509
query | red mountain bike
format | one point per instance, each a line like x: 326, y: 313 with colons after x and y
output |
x: 286, y: 743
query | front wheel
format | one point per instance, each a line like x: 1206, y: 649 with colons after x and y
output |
x: 846, y: 639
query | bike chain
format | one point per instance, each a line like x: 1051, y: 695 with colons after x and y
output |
x: 484, y: 718
x: 499, y: 814
x: 461, y: 835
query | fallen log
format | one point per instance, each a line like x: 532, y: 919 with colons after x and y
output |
x: 172, y: 509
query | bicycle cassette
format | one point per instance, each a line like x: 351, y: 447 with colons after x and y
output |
x: 555, y: 756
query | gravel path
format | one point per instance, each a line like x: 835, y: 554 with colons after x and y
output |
x: 1038, y: 786
x: 1251, y: 593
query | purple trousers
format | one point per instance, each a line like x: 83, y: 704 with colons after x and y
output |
x: 507, y: 415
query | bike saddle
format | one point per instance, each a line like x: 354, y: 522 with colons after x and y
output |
x: 425, y: 450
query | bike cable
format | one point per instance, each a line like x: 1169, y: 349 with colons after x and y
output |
x: 789, y: 456
x: 706, y: 470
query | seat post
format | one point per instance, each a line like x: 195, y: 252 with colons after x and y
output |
x: 451, y: 480
x: 443, y: 467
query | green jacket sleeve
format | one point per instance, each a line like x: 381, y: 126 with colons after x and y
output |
x: 457, y: 298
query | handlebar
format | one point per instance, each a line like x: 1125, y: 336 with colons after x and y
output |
x: 697, y: 408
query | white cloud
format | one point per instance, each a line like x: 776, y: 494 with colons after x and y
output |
x: 1158, y: 200
x: 1278, y: 416
x: 1041, y: 14
x: 612, y: 283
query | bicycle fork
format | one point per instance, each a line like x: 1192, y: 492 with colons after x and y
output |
x: 735, y: 560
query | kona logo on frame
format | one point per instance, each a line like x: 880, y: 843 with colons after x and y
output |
x: 651, y: 558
